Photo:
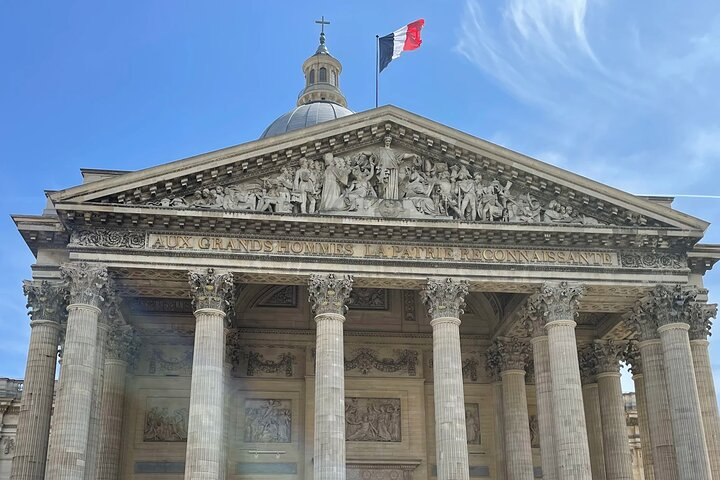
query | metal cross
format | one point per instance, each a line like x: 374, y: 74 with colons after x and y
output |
x: 322, y: 23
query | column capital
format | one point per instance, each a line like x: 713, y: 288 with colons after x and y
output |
x: 46, y: 300
x: 86, y: 282
x: 210, y: 289
x: 588, y: 364
x: 559, y: 300
x: 532, y: 316
x: 672, y: 303
x: 123, y: 343
x: 608, y: 354
x: 507, y: 354
x: 110, y: 313
x: 700, y: 317
x: 329, y: 293
x: 641, y: 319
x: 633, y: 358
x: 445, y: 297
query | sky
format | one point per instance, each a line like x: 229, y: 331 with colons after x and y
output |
x: 625, y: 93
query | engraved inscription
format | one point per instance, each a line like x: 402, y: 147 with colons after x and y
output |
x: 268, y: 421
x: 372, y: 420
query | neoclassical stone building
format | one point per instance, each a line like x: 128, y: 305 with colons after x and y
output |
x: 363, y: 296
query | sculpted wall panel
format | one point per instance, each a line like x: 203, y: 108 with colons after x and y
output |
x: 268, y: 421
x: 372, y: 419
x: 166, y: 420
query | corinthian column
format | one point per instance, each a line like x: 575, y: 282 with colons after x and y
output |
x: 510, y: 357
x: 87, y: 284
x: 212, y: 295
x: 47, y: 311
x: 632, y: 357
x: 559, y: 302
x: 672, y: 308
x: 532, y: 317
x: 618, y: 462
x: 445, y: 300
x: 328, y: 297
x: 700, y: 323
x: 593, y: 416
x: 122, y: 348
x: 642, y: 320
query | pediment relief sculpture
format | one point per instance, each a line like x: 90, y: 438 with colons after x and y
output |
x: 383, y: 182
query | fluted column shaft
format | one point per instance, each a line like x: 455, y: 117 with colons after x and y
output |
x: 205, y: 422
x: 500, y: 455
x: 31, y: 442
x: 573, y: 455
x: 688, y: 431
x: 708, y: 402
x: 445, y: 300
x: 543, y: 394
x: 113, y: 400
x: 658, y: 409
x: 68, y: 452
x: 329, y: 398
x: 645, y: 444
x: 618, y: 462
x: 91, y: 464
x: 328, y: 296
x: 517, y: 425
x: 593, y: 418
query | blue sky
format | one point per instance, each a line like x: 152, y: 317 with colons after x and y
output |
x: 625, y: 93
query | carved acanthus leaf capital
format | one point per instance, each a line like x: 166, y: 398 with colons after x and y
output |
x: 86, y: 282
x: 508, y: 354
x: 560, y: 300
x: 46, y: 300
x: 641, y: 319
x: 672, y: 304
x: 588, y: 362
x: 445, y: 297
x: 608, y: 354
x: 210, y: 289
x: 532, y: 316
x: 329, y: 293
x: 123, y: 342
x: 701, y: 316
x: 633, y: 358
x: 110, y: 313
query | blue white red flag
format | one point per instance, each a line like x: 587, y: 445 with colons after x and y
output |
x: 402, y: 40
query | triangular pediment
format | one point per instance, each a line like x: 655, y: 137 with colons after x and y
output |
x: 345, y: 168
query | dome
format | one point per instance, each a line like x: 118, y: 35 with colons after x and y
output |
x: 306, y: 116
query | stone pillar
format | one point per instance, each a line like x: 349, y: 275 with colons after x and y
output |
x: 593, y: 417
x: 212, y: 297
x: 700, y: 318
x: 445, y: 299
x: 510, y: 357
x: 68, y: 452
x: 559, y: 302
x: 328, y: 297
x: 108, y: 315
x: 618, y: 461
x: 122, y: 349
x: 543, y: 385
x: 500, y: 456
x: 672, y: 308
x: 633, y: 359
x: 47, y: 311
x: 642, y: 320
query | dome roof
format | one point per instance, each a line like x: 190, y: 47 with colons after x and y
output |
x: 306, y: 116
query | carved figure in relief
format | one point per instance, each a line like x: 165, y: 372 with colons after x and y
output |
x: 361, y: 190
x: 372, y: 420
x: 268, y: 421
x: 465, y: 189
x: 304, y: 190
x: 335, y: 180
x: 472, y: 423
x: 162, y: 425
x: 388, y: 164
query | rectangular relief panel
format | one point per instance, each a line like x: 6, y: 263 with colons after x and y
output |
x: 372, y: 419
x: 268, y: 421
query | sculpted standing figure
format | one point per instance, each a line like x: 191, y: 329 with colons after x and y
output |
x: 388, y: 164
x: 304, y: 187
x: 335, y: 181
x: 467, y: 195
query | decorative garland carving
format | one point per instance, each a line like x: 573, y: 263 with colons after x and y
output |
x: 256, y: 363
x: 668, y: 261
x: 46, y: 301
x: 160, y: 363
x: 212, y: 290
x: 329, y: 293
x: 366, y: 359
x: 102, y: 237
x: 470, y: 369
x: 445, y: 297
x: 368, y: 299
x: 280, y: 296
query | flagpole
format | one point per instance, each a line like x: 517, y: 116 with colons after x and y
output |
x: 377, y: 69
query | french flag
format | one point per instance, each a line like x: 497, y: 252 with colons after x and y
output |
x: 402, y: 40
